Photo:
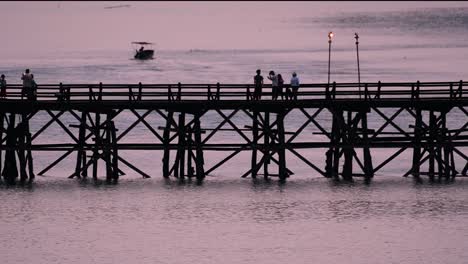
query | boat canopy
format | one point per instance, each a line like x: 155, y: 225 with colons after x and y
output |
x: 142, y: 43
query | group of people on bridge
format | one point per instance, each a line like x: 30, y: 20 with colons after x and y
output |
x: 29, y: 89
x: 277, y: 85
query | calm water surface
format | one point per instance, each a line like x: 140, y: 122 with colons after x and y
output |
x: 233, y: 220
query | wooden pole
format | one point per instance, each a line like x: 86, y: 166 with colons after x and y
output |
x: 367, y: 156
x: 432, y: 120
x: 166, y: 136
x: 10, y: 170
x: 254, y: 144
x: 336, y: 136
x: 29, y: 157
x: 200, y: 161
x: 418, y: 129
x: 107, y: 149
x: 182, y: 146
x: 282, y: 150
x: 348, y: 151
x: 2, y: 130
x: 81, y: 154
x: 97, y: 144
x: 267, y: 146
x: 189, y: 152
x: 115, y: 154
x: 21, y: 135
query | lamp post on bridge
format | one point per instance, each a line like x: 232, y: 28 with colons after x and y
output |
x: 356, y: 36
x: 330, y: 36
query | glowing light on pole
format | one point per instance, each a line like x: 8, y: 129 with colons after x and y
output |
x: 330, y: 36
x: 356, y: 36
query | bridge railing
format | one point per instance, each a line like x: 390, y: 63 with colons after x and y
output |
x: 186, y: 92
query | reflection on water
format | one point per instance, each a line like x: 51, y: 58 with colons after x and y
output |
x: 148, y: 221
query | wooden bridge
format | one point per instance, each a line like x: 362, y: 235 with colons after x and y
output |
x: 183, y: 138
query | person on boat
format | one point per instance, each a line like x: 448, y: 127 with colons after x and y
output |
x: 3, y: 85
x: 141, y: 49
x: 294, y: 85
x: 27, y: 79
x: 274, y: 85
x: 258, y: 81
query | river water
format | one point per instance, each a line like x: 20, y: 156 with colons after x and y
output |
x: 232, y: 220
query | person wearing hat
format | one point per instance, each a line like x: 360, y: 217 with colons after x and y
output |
x: 294, y: 85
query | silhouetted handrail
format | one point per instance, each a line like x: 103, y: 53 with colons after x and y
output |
x: 185, y: 92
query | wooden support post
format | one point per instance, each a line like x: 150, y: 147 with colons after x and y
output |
x: 369, y: 169
x: 283, y: 174
x: 115, y: 154
x: 2, y: 130
x: 336, y: 136
x: 179, y: 91
x: 189, y: 152
x: 100, y: 92
x: 29, y: 158
x: 418, y: 129
x: 21, y: 135
x: 432, y: 134
x: 267, y: 146
x: 181, y: 146
x: 200, y: 161
x: 28, y: 144
x: 10, y: 170
x: 166, y: 136
x: 447, y: 147
x: 348, y: 151
x: 140, y: 91
x: 107, y: 148
x: 254, y: 144
x: 81, y: 154
x: 97, y: 144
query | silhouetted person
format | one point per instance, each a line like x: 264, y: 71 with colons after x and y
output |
x: 141, y: 49
x: 3, y: 85
x: 27, y: 78
x: 279, y: 90
x: 33, y: 94
x: 274, y: 85
x: 294, y: 85
x: 258, y: 81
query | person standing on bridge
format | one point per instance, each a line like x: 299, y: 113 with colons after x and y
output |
x: 279, y: 90
x: 258, y: 81
x: 27, y: 79
x: 33, y: 94
x: 3, y: 85
x: 274, y: 85
x: 294, y: 85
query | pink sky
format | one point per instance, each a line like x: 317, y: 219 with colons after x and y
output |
x: 56, y: 25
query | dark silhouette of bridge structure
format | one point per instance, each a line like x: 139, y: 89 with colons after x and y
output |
x: 347, y: 142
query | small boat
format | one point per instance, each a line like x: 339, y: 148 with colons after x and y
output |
x: 143, y: 53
